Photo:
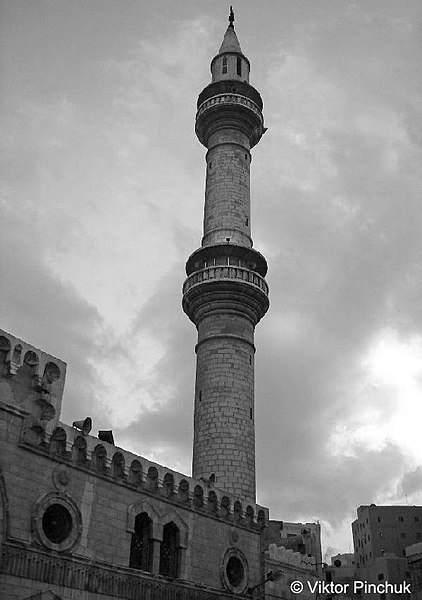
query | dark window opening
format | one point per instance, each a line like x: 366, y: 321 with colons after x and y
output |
x: 246, y: 222
x: 200, y: 396
x: 141, y: 544
x: 380, y: 576
x: 239, y: 66
x: 57, y: 523
x: 401, y: 519
x: 224, y: 70
x: 169, y: 552
x: 235, y: 571
x: 58, y: 441
x: 251, y: 413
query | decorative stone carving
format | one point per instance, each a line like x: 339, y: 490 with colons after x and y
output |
x: 61, y: 477
x: 57, y: 522
x: 234, y: 571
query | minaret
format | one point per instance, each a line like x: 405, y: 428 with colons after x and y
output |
x: 225, y: 293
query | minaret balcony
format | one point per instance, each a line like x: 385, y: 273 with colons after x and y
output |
x: 224, y: 272
x: 230, y: 99
x: 225, y: 287
x: 229, y: 110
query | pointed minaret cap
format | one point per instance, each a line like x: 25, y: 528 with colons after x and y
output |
x: 230, y: 41
x: 230, y: 62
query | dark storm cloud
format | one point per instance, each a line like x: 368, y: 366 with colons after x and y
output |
x: 412, y: 481
x: 47, y: 312
x: 104, y: 189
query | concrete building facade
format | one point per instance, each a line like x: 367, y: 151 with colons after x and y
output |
x: 385, y: 530
x: 381, y: 535
x: 414, y: 561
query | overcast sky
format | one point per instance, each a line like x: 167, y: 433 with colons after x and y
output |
x: 101, y: 203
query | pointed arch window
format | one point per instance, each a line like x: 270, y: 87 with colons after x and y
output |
x: 170, y: 551
x: 141, y: 544
x: 224, y: 69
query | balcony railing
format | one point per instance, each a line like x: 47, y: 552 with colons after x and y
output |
x: 227, y: 273
x: 229, y: 99
x: 110, y: 580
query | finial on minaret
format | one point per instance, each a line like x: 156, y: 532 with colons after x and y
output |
x: 231, y: 17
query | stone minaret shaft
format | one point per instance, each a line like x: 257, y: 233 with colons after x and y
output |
x: 225, y: 293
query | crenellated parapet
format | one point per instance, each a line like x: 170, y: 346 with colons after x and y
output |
x: 70, y: 447
x: 32, y: 381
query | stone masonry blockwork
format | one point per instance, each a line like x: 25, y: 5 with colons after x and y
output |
x: 227, y: 194
x: 225, y: 294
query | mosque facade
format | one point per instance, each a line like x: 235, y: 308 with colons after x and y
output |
x: 81, y: 518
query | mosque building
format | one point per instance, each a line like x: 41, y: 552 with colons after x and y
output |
x: 81, y: 518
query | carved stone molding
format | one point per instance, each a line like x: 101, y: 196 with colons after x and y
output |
x: 57, y: 522
x: 234, y: 571
x: 110, y: 580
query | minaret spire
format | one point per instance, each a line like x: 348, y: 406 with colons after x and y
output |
x: 231, y: 17
x: 225, y: 293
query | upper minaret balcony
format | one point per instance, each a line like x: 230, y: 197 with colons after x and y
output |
x: 230, y: 100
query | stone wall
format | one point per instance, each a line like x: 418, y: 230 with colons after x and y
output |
x: 103, y: 488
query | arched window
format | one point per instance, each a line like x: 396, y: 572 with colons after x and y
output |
x: 141, y: 544
x: 225, y: 507
x: 239, y: 66
x: 169, y: 552
x: 99, y: 459
x: 79, y: 450
x: 152, y: 479
x: 249, y: 515
x: 237, y: 511
x: 168, y: 485
x: 261, y: 519
x: 224, y: 70
x: 135, y: 473
x: 118, y: 466
x: 183, y: 491
x: 212, y: 502
x: 58, y: 441
x: 198, y: 497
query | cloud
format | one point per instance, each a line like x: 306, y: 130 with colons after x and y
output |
x: 412, y: 482
x: 104, y: 198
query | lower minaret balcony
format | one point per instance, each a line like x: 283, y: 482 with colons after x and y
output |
x: 225, y: 287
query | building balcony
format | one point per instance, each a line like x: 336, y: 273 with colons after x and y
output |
x: 224, y: 99
x: 229, y: 110
x: 226, y: 273
x: 231, y: 288
x: 75, y: 573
